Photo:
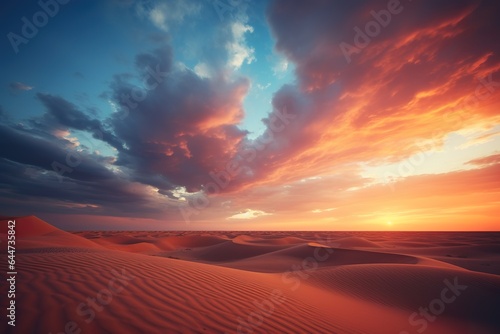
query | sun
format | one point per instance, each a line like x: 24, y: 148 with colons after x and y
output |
x: 389, y: 223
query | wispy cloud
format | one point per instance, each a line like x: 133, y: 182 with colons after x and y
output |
x: 19, y: 86
x: 238, y: 50
x: 166, y: 14
x: 263, y: 87
x: 486, y: 161
x: 249, y: 214
x: 281, y: 67
x: 322, y: 210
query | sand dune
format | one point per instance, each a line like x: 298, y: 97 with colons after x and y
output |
x: 191, y: 241
x: 246, y: 239
x: 212, y: 282
x: 281, y: 260
x: 355, y: 242
x: 32, y: 233
x: 29, y: 226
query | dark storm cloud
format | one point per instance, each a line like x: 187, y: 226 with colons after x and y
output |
x: 170, y: 132
x: 181, y: 127
x: 63, y: 113
x: 29, y: 180
x: 26, y: 187
x: 29, y: 150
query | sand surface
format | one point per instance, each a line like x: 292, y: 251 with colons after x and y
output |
x: 252, y: 282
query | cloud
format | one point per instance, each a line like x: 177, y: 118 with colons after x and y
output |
x: 182, y: 129
x: 62, y: 115
x: 249, y: 214
x: 263, y: 87
x: 368, y: 110
x: 433, y: 70
x: 486, y: 161
x: 281, y: 66
x: 457, y: 200
x: 165, y: 15
x: 19, y: 86
x: 40, y: 174
x: 29, y: 150
x: 168, y: 138
x: 480, y: 139
x: 322, y: 210
x: 238, y: 51
x: 202, y: 70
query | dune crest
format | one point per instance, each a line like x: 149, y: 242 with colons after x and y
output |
x: 32, y: 233
x: 29, y: 226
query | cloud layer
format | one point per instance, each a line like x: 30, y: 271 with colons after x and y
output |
x: 428, y: 70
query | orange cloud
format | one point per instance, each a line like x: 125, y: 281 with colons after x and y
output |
x: 417, y: 82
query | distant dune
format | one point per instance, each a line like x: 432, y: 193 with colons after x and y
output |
x: 252, y: 282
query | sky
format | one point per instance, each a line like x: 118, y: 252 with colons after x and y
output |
x: 251, y: 115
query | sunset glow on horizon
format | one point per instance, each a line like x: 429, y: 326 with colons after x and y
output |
x: 268, y: 115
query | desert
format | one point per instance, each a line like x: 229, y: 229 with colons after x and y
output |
x: 253, y: 282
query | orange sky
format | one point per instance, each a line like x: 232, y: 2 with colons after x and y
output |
x: 402, y: 133
x: 401, y: 139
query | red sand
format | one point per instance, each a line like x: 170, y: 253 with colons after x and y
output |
x: 252, y: 282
